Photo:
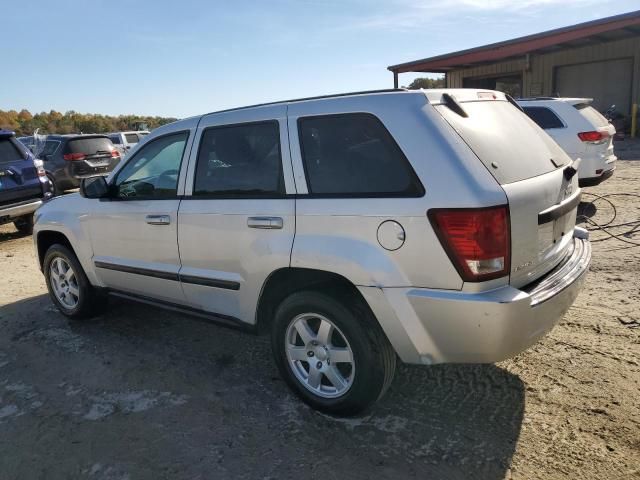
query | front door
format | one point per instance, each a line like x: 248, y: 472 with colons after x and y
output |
x: 237, y: 220
x: 134, y: 232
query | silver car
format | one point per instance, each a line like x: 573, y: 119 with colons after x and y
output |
x: 430, y: 226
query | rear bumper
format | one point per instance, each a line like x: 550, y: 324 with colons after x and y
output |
x: 595, y: 169
x: 443, y: 326
x: 81, y: 169
x: 10, y: 212
x: 593, y: 181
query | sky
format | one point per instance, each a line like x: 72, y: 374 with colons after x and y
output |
x: 168, y: 58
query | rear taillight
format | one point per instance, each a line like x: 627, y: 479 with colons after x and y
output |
x: 593, y: 137
x: 477, y: 240
x: 74, y: 156
x: 40, y: 168
x: 115, y: 154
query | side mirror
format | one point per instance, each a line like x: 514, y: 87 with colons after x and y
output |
x: 94, y: 187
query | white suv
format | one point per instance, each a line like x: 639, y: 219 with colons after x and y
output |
x: 434, y: 226
x: 125, y: 141
x: 580, y: 130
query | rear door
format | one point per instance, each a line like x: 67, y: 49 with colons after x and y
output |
x: 529, y: 166
x: 237, y: 220
x: 18, y: 175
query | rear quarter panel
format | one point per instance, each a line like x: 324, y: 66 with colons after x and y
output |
x: 340, y: 234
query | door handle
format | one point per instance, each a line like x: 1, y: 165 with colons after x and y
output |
x: 158, y: 219
x: 265, y: 222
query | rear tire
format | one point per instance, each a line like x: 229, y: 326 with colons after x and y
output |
x: 345, y: 363
x: 68, y: 285
x: 24, y: 224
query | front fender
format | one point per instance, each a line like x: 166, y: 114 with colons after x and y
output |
x: 61, y: 216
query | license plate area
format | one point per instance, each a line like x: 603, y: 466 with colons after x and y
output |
x: 550, y: 234
x: 98, y: 162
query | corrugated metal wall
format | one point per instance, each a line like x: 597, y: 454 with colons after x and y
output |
x: 538, y: 78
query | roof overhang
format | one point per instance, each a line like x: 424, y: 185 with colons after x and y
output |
x: 583, y: 34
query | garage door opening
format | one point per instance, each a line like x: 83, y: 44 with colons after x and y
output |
x: 607, y: 82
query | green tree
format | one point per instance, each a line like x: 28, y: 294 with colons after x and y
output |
x: 24, y: 123
x: 424, y: 82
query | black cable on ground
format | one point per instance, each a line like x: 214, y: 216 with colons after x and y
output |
x: 608, y: 225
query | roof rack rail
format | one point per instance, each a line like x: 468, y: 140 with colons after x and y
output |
x: 319, y: 97
x: 529, y: 99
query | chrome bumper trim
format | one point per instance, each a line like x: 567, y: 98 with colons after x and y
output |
x: 576, y: 265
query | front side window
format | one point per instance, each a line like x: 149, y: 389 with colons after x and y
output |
x: 544, y: 117
x: 153, y: 172
x: 131, y: 138
x: 240, y: 161
x: 354, y: 155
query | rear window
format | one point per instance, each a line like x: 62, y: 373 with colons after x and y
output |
x: 131, y: 138
x: 9, y: 152
x: 89, y: 145
x: 544, y: 117
x: 593, y: 116
x: 354, y: 155
x: 505, y: 140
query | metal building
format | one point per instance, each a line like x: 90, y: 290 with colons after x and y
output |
x: 598, y: 59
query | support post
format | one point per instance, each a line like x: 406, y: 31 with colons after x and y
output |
x: 395, y: 79
x: 634, y: 119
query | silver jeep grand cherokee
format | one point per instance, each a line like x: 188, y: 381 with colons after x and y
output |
x: 434, y: 226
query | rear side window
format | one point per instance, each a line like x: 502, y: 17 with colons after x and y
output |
x: 593, y: 116
x: 131, y: 137
x: 354, y: 155
x: 240, y: 161
x: 89, y: 146
x: 544, y: 117
x: 115, y: 139
x: 9, y: 152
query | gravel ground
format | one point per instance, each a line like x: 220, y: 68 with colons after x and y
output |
x: 141, y: 393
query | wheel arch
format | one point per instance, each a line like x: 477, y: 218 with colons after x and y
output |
x: 283, y: 282
x: 46, y: 238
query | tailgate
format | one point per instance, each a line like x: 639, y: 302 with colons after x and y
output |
x: 529, y: 166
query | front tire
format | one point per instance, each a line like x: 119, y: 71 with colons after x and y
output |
x: 332, y: 354
x: 68, y: 285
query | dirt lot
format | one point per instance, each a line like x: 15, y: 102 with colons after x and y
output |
x: 142, y: 393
